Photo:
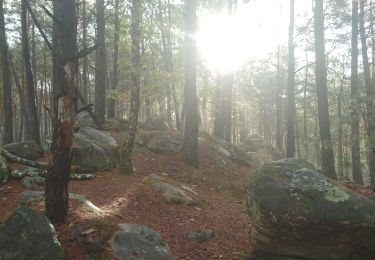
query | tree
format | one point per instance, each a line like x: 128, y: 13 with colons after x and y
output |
x: 111, y: 101
x: 190, y: 92
x: 290, y: 129
x: 328, y: 160
x: 356, y: 152
x: 7, y: 84
x: 101, y: 63
x: 31, y: 116
x: 65, y: 80
x: 126, y: 149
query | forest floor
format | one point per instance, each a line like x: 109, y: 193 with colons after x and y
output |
x: 220, y: 186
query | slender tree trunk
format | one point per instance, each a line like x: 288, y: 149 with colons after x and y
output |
x: 101, y: 63
x: 290, y: 125
x: 32, y: 124
x: 305, y: 132
x: 65, y: 71
x: 112, y: 101
x: 340, y: 156
x: 191, y: 101
x: 85, y: 61
x: 127, y: 147
x: 328, y: 160
x: 279, y: 134
x: 356, y: 153
x: 6, y: 82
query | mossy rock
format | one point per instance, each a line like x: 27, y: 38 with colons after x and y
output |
x: 4, y: 171
x: 298, y: 212
x: 28, y: 150
x: 94, y: 150
x: 137, y: 242
x: 26, y: 235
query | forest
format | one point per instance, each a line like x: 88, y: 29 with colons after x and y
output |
x: 187, y: 129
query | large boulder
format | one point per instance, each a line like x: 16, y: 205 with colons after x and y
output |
x: 299, y: 214
x: 26, y: 235
x: 4, y: 171
x: 94, y: 150
x: 28, y: 150
x: 137, y: 242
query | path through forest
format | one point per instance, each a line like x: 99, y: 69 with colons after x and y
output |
x: 220, y: 185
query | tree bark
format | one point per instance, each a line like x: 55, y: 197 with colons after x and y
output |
x: 328, y: 160
x: 101, y: 63
x: 290, y: 125
x: 126, y: 149
x: 190, y: 149
x: 355, y: 140
x: 6, y: 82
x: 31, y: 122
x: 66, y: 68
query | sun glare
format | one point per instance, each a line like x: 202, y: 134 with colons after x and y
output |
x: 227, y: 42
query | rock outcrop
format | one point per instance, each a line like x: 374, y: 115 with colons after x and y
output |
x: 300, y: 214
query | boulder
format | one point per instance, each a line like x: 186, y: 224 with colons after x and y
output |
x: 137, y: 242
x: 30, y: 182
x: 163, y: 144
x: 94, y: 150
x: 172, y: 194
x: 258, y: 145
x: 298, y: 213
x: 154, y: 124
x: 201, y: 235
x: 159, y: 141
x: 83, y: 119
x: 26, y: 234
x: 4, y: 171
x: 29, y: 150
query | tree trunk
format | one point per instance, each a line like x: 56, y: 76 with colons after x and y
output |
x: 356, y: 153
x: 290, y: 125
x: 370, y: 106
x: 191, y: 101
x: 111, y: 101
x: 65, y: 73
x: 101, y: 63
x: 85, y: 61
x: 328, y: 160
x: 372, y: 148
x: 31, y: 122
x: 6, y: 80
x: 126, y: 149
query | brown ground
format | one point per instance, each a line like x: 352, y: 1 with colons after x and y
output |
x: 220, y: 186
